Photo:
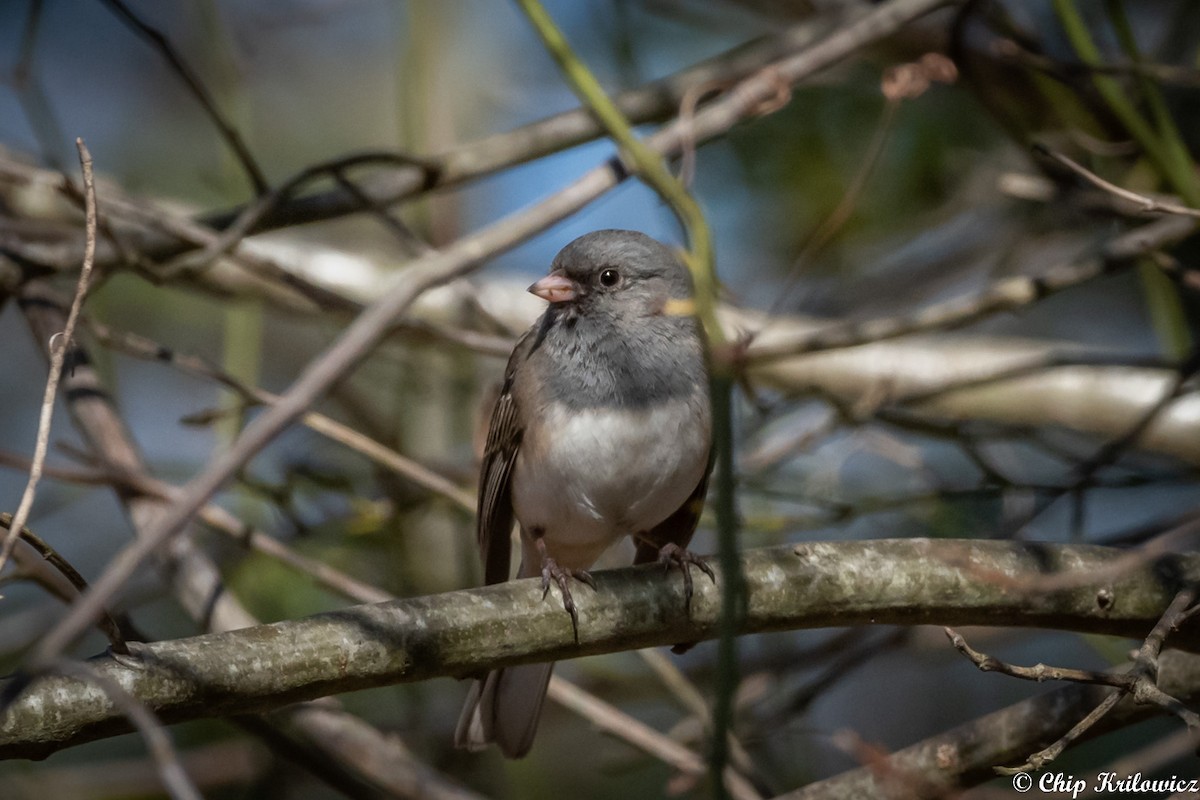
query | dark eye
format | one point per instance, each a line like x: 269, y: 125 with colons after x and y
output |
x: 609, y: 277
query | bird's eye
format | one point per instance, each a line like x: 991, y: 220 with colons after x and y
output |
x: 609, y: 277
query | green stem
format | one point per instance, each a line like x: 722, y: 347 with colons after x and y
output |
x: 645, y: 162
x: 1164, y: 147
x: 1110, y: 89
x: 651, y: 168
x: 1181, y: 171
x: 733, y: 592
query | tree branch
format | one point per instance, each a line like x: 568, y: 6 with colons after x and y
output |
x: 1010, y: 381
x: 361, y: 336
x: 890, y: 581
x: 345, y: 751
x: 409, y: 178
x: 964, y: 756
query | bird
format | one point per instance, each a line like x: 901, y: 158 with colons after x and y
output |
x: 602, y: 430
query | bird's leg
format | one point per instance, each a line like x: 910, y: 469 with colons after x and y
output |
x: 551, y: 570
x: 672, y: 555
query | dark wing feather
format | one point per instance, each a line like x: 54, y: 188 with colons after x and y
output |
x: 494, y: 520
x: 678, y: 528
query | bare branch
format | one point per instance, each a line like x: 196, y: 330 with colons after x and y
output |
x: 59, y: 347
x: 196, y: 86
x: 1140, y: 681
x: 1003, y: 295
x: 899, y: 581
x: 1144, y: 204
x: 964, y: 756
x: 441, y: 267
x: 363, y: 755
x: 158, y: 741
x: 106, y: 623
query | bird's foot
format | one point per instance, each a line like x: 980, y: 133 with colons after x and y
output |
x: 672, y: 555
x: 552, y: 571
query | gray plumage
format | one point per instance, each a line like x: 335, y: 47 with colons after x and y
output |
x: 601, y: 430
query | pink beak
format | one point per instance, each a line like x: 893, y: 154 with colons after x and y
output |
x: 556, y: 288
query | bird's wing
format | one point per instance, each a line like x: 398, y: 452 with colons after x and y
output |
x: 494, y: 519
x: 678, y: 528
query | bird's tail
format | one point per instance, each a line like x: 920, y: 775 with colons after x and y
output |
x: 504, y: 709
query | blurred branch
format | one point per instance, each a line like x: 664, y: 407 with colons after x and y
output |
x: 31, y: 93
x: 1003, y: 295
x: 322, y: 424
x: 369, y: 764
x: 59, y: 345
x: 655, y: 101
x: 910, y: 581
x: 1101, y: 400
x: 1015, y: 382
x: 106, y: 623
x: 743, y: 102
x: 615, y: 722
x: 364, y: 756
x: 125, y: 221
x: 1164, y: 157
x: 1144, y: 203
x: 210, y: 766
x: 158, y: 740
x: 1181, y: 168
x: 226, y: 129
x: 965, y: 756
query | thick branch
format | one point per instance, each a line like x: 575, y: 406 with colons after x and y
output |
x: 966, y: 755
x: 342, y: 749
x: 656, y: 101
x: 438, y: 268
x: 901, y: 581
x: 960, y: 377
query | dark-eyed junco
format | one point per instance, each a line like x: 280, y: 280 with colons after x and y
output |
x: 602, y: 430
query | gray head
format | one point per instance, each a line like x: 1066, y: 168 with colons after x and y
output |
x: 615, y: 273
x: 620, y: 329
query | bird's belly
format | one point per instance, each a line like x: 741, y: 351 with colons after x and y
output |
x: 599, y: 475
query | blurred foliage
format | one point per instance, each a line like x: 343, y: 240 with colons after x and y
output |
x: 307, y: 81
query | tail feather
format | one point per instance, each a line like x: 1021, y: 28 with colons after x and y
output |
x: 504, y: 709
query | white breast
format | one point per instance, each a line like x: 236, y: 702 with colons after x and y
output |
x: 609, y: 473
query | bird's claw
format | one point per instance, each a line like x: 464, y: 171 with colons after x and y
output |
x: 551, y: 571
x: 672, y: 555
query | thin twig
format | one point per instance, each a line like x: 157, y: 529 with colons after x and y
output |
x: 339, y: 748
x: 1143, y: 202
x: 198, y: 90
x: 612, y: 720
x: 1038, y: 672
x: 106, y: 623
x: 1003, y: 295
x: 1140, y: 681
x: 57, y: 359
x: 328, y: 427
x: 162, y: 751
x: 436, y: 269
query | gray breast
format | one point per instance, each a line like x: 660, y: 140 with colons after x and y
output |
x: 590, y: 364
